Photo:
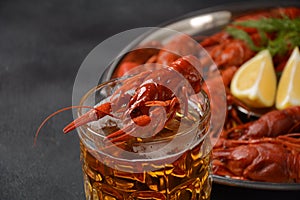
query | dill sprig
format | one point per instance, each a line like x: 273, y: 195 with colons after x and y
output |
x: 272, y: 24
x: 287, y: 34
x: 242, y: 35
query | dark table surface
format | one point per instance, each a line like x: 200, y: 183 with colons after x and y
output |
x: 42, y: 45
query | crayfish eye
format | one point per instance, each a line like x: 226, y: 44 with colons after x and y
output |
x: 135, y: 113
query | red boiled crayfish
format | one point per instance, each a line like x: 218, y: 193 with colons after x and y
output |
x: 154, y: 88
x: 266, y: 159
x: 271, y: 124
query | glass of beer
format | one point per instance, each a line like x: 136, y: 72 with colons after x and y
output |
x: 144, y: 161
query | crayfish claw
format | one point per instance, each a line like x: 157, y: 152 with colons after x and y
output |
x: 84, y: 119
x: 92, y: 115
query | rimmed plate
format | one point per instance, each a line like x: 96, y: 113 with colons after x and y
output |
x: 209, y: 21
x: 254, y: 184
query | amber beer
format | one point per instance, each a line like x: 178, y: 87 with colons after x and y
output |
x: 173, y: 164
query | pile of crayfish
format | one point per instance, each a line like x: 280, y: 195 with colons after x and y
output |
x: 268, y: 148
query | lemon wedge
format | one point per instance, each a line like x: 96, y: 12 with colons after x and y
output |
x: 254, y: 83
x: 288, y: 93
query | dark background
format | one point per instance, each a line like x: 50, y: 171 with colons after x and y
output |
x: 42, y: 44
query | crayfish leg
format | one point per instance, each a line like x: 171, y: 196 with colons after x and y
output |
x: 125, y: 133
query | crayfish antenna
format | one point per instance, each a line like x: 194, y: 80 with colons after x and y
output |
x: 52, y: 115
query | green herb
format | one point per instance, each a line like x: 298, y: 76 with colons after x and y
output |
x: 242, y: 35
x: 272, y: 24
x: 287, y: 34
